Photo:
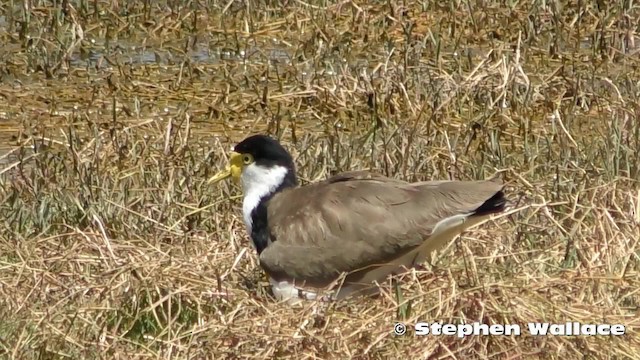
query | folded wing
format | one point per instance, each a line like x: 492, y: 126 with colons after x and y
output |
x: 360, y: 221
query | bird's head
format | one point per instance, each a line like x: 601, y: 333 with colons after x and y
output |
x: 257, y: 162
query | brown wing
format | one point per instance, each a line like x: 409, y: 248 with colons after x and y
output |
x: 358, y: 220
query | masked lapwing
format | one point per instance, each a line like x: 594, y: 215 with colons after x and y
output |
x: 342, y: 235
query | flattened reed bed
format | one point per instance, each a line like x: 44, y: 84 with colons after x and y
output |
x: 112, y: 245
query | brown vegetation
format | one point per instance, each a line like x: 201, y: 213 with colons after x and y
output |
x: 114, y: 113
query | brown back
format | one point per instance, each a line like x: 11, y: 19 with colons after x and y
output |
x: 357, y: 220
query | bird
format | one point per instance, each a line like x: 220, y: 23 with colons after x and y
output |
x: 342, y: 236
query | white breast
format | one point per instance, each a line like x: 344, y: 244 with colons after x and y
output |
x: 257, y: 183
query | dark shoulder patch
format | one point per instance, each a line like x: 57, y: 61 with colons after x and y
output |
x: 352, y: 175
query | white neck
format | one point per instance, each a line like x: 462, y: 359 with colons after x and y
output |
x: 258, y: 182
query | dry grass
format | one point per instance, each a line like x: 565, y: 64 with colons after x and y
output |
x: 111, y: 245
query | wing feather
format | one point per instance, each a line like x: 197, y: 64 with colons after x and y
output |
x: 358, y: 220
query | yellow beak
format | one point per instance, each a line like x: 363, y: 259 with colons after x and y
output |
x: 234, y: 169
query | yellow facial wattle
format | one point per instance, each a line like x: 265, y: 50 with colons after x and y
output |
x: 235, y: 166
x: 234, y: 170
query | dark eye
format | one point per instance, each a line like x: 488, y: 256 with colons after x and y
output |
x: 247, y: 159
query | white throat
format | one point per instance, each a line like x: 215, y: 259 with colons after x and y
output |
x: 258, y: 182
